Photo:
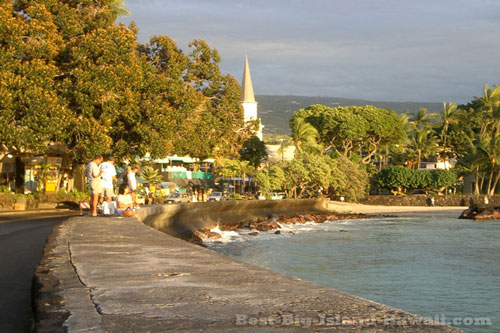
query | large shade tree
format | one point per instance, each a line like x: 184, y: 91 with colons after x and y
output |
x: 346, y: 130
x: 205, y: 109
x: 33, y: 115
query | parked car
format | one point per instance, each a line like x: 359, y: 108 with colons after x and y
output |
x: 216, y: 196
x: 177, y: 197
x: 277, y: 196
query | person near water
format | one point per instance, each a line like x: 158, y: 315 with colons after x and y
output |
x: 124, y: 201
x: 93, y: 174
x: 132, y: 183
x: 107, y: 178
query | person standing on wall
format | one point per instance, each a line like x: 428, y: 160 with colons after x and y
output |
x: 132, y: 183
x: 94, y: 178
x: 107, y: 178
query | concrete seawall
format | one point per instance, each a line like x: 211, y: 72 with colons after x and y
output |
x: 180, y: 219
x: 120, y: 275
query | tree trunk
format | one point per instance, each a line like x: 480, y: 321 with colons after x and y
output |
x: 59, y: 179
x: 476, y: 183
x: 234, y: 183
x: 490, y: 181
x: 61, y: 174
x: 79, y: 177
x: 497, y: 178
x: 20, y: 171
x: 244, y: 183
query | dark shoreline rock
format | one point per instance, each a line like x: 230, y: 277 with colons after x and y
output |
x: 481, y: 213
x: 273, y: 222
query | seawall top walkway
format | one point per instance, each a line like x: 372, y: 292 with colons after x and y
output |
x: 119, y: 275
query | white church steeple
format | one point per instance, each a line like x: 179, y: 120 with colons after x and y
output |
x: 248, y: 98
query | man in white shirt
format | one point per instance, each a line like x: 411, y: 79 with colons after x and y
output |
x: 132, y: 183
x: 94, y: 178
x: 107, y: 178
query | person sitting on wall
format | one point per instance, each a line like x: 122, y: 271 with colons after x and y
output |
x: 124, y: 202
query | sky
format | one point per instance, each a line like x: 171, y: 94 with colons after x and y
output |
x: 381, y: 50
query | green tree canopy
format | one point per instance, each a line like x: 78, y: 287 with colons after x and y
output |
x: 33, y: 115
x: 399, y: 179
x: 253, y: 151
x: 348, y: 129
x: 203, y: 105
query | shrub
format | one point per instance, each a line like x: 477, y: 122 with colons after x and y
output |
x: 396, y: 179
x: 355, y: 179
x: 5, y: 189
x: 399, y: 179
x: 441, y: 179
x: 19, y: 196
x: 80, y: 196
x: 235, y: 196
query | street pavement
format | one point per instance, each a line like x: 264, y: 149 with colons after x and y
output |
x: 22, y: 239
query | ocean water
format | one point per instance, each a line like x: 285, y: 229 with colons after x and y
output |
x: 437, y: 268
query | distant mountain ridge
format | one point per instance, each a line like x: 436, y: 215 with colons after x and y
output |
x: 276, y: 111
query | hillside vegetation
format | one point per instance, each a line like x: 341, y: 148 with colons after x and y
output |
x: 276, y: 111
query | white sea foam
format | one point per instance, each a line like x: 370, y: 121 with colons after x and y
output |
x: 226, y: 236
x: 286, y: 230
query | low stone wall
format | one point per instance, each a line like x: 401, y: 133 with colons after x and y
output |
x: 181, y: 219
x: 421, y: 200
x: 40, y: 201
x: 55, y: 200
x: 6, y: 202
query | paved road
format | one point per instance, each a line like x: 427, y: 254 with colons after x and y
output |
x: 22, y: 238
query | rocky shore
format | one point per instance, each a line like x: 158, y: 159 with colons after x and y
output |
x: 256, y: 225
x: 481, y: 213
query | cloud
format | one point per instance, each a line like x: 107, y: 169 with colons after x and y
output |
x: 385, y: 50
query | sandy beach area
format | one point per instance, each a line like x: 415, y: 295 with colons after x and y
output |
x: 404, y: 211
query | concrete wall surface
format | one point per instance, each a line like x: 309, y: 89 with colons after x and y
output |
x: 120, y: 275
x: 180, y: 219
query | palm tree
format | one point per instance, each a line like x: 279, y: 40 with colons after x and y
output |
x: 446, y: 118
x: 44, y: 173
x: 422, y: 119
x: 150, y: 175
x: 490, y: 105
x: 490, y: 149
x: 245, y: 169
x: 424, y: 144
x: 234, y: 168
x: 306, y: 137
x: 224, y: 167
x: 119, y: 7
x: 473, y: 163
